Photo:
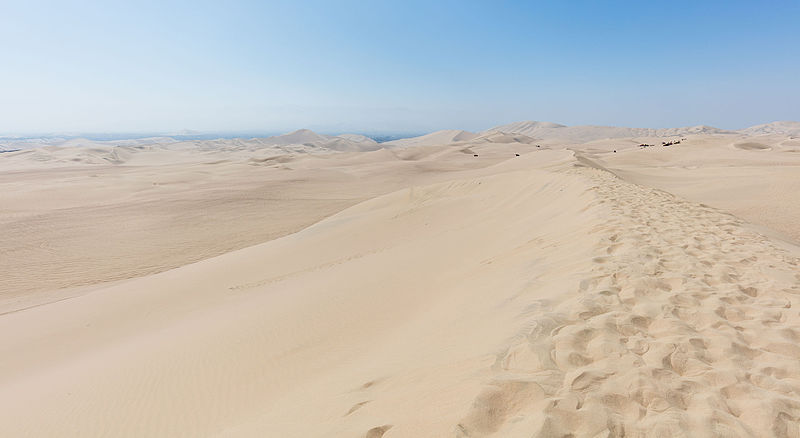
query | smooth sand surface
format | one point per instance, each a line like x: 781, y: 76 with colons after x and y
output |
x: 411, y: 291
x: 103, y: 223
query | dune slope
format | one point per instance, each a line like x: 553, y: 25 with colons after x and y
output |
x: 242, y: 337
x: 507, y: 303
x: 685, y: 326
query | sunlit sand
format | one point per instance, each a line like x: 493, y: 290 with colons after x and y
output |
x: 529, y: 280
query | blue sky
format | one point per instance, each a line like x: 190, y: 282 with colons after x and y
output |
x: 397, y: 66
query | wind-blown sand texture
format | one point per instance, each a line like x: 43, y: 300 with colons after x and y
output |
x: 415, y: 290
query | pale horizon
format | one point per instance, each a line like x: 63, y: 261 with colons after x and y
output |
x: 253, y: 133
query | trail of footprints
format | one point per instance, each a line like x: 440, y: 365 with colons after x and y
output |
x: 688, y: 322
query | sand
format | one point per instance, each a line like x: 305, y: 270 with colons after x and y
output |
x: 754, y: 178
x: 410, y: 291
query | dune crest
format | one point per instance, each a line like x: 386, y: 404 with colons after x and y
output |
x: 684, y: 327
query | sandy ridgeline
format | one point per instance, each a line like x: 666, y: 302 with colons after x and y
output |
x: 440, y: 294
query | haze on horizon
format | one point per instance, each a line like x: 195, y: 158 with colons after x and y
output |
x: 412, y: 66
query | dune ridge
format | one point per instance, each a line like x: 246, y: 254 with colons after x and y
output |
x: 682, y: 328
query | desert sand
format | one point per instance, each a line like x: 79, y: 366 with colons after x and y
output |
x: 530, y: 280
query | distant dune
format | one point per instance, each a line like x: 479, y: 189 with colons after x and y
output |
x: 780, y: 128
x: 354, y: 142
x: 434, y: 138
x: 583, y: 134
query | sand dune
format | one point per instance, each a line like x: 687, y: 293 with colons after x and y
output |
x: 345, y: 142
x: 300, y: 141
x: 163, y: 207
x: 753, y: 177
x: 433, y: 139
x: 358, y: 138
x: 583, y: 134
x: 781, y: 128
x: 484, y: 285
x: 681, y: 328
